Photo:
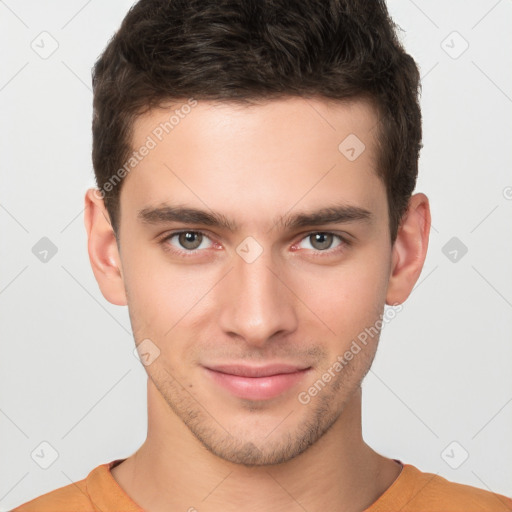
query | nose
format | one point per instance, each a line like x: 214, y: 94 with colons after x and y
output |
x: 258, y: 303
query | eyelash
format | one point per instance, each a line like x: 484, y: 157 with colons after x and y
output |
x: 344, y: 243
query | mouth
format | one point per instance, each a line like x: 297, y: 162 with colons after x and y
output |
x: 256, y: 382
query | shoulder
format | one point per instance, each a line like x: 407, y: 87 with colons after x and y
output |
x: 99, y: 491
x: 72, y: 497
x: 428, y: 491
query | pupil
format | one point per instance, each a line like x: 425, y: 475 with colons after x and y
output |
x: 325, y: 236
x: 188, y: 238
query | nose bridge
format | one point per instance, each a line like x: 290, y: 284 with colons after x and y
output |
x: 257, y: 304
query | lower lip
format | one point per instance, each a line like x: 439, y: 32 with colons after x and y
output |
x: 257, y: 388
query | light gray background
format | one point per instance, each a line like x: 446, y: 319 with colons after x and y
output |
x: 68, y: 375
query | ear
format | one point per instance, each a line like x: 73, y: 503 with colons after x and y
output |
x: 102, y: 247
x: 409, y: 250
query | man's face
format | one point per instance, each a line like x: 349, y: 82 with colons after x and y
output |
x: 267, y: 292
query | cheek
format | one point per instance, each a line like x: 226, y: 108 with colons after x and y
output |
x: 163, y: 298
x: 352, y: 297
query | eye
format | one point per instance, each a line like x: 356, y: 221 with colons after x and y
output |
x: 322, y: 241
x: 186, y: 241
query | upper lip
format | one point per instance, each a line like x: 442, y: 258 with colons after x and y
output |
x: 256, y: 371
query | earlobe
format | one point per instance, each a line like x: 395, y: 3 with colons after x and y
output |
x: 102, y: 248
x: 409, y: 250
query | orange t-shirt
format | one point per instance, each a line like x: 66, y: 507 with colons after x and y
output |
x: 412, y: 491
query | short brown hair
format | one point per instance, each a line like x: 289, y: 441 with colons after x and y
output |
x: 243, y: 50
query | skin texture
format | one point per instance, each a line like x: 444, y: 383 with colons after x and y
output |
x: 298, y: 302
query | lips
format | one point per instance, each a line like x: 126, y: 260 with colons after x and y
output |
x: 256, y: 382
x: 256, y: 371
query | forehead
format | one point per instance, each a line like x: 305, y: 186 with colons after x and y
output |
x: 253, y: 159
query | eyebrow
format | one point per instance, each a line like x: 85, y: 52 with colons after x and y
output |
x: 187, y: 215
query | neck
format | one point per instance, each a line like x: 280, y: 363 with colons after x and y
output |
x: 172, y: 470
